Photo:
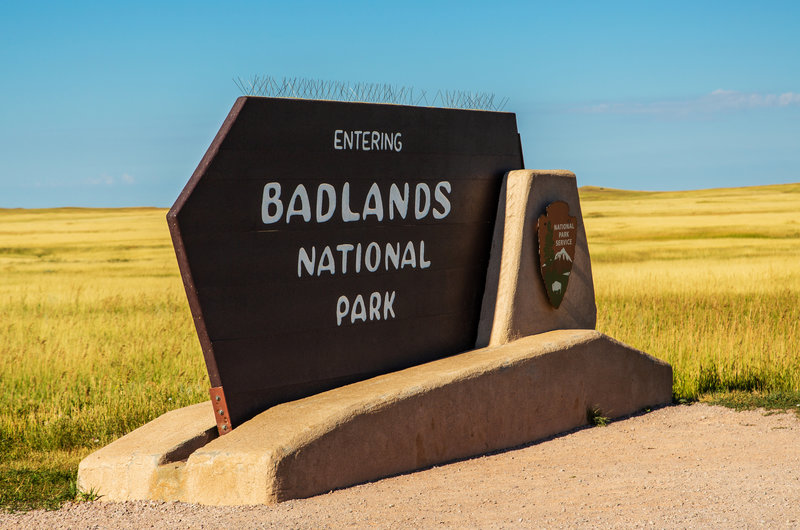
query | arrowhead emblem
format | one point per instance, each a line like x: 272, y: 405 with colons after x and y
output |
x: 557, y: 234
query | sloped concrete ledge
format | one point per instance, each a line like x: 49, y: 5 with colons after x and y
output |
x: 479, y: 401
x: 135, y: 466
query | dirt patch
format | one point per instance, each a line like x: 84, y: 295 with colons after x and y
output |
x: 681, y: 466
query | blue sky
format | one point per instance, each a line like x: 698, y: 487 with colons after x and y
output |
x: 114, y: 103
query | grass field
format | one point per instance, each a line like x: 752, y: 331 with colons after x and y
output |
x: 96, y: 339
x: 706, y: 280
x: 96, y: 336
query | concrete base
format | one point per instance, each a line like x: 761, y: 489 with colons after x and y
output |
x: 479, y: 401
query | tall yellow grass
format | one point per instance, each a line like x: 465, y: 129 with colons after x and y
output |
x: 95, y: 335
x: 707, y: 280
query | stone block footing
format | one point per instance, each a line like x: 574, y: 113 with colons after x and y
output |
x: 461, y: 406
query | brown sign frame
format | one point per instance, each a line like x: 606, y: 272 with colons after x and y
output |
x: 282, y: 281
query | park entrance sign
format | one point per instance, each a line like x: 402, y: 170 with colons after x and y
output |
x: 321, y: 242
x: 324, y: 243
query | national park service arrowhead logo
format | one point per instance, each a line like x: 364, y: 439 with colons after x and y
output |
x: 557, y: 234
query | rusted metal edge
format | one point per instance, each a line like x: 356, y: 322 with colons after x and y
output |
x: 220, y: 410
x: 180, y: 250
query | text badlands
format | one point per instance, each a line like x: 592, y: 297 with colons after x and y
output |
x: 398, y: 202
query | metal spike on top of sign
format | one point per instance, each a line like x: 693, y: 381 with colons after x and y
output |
x: 557, y: 232
x: 304, y: 88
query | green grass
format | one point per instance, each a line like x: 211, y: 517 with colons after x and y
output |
x: 776, y: 401
x: 37, y: 481
x: 594, y: 416
x: 96, y: 337
x: 25, y: 488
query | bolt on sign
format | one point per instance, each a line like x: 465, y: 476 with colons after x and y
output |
x: 322, y: 242
x: 557, y: 232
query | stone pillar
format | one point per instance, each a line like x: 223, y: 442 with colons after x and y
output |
x: 515, y: 303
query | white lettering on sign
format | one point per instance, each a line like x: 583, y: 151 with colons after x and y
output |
x: 372, y: 257
x: 563, y: 231
x: 363, y: 310
x: 367, y: 141
x: 271, y: 205
x: 402, y: 201
x: 376, y: 205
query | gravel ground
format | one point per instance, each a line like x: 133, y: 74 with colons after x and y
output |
x: 681, y: 466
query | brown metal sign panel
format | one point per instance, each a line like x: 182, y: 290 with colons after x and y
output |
x: 557, y: 232
x: 323, y: 242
